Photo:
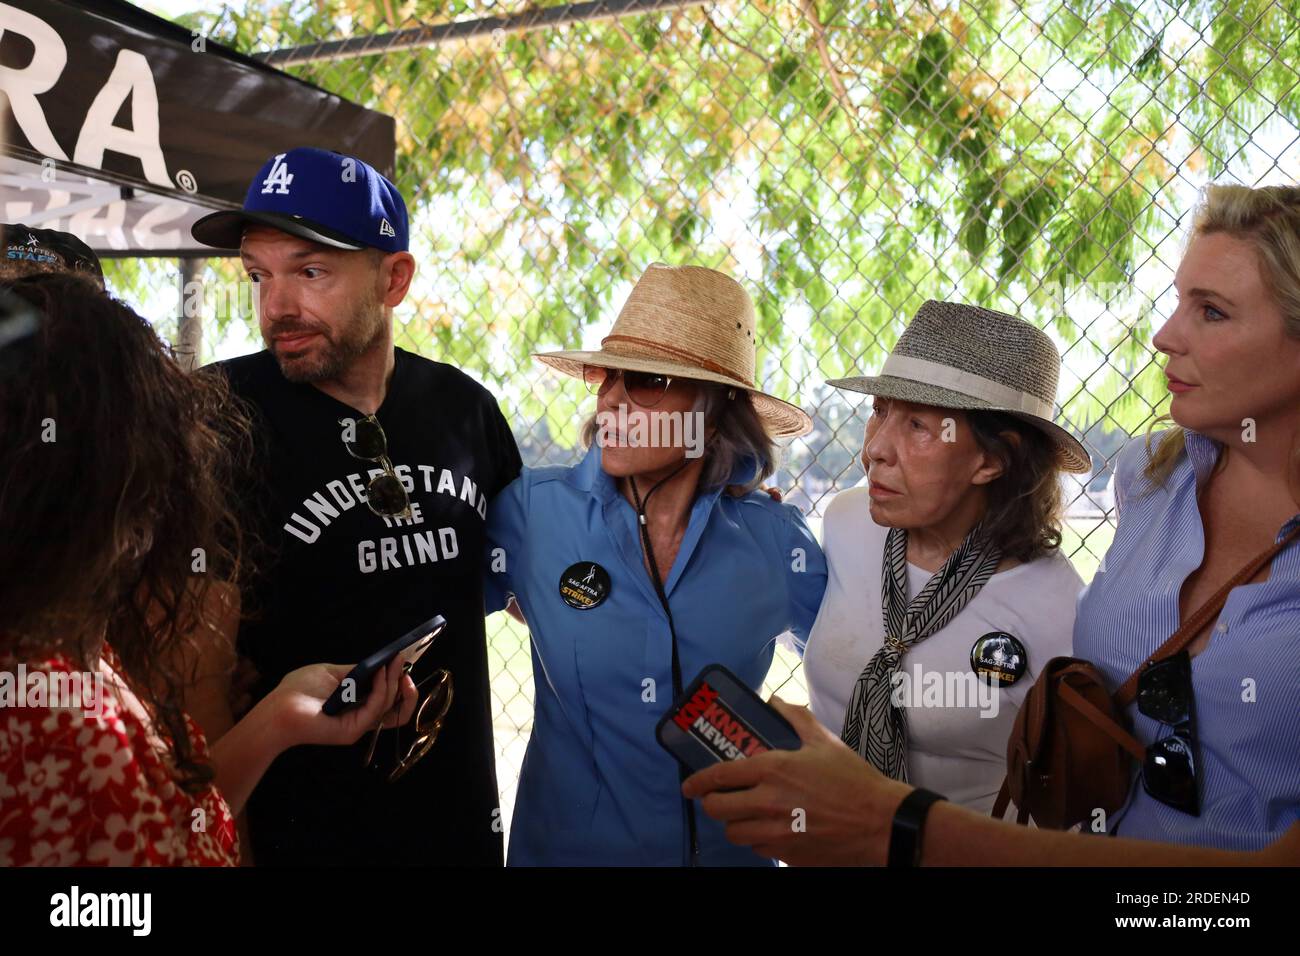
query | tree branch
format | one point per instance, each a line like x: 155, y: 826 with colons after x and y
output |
x: 809, y: 8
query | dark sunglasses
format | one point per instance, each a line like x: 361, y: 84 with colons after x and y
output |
x: 646, y: 389
x: 385, y: 494
x: 429, y: 718
x: 1169, y: 771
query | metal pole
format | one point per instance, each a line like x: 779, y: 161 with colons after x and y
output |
x: 467, y: 29
x: 189, y: 322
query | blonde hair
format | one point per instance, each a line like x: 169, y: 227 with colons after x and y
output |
x: 1269, y: 219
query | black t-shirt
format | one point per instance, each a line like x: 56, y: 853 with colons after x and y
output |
x: 334, y: 582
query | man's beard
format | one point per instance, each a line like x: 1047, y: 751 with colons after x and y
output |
x: 330, y: 357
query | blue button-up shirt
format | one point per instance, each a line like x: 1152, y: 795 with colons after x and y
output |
x: 1246, y: 683
x: 596, y: 788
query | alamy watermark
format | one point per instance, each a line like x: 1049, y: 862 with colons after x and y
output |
x: 922, y: 688
x: 74, y: 908
x: 195, y: 299
x: 58, y: 690
x: 637, y: 428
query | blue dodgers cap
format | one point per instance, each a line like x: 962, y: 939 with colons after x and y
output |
x: 336, y: 200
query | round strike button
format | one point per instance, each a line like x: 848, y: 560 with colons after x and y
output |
x: 584, y: 585
x: 999, y: 656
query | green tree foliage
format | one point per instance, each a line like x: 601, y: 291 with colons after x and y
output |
x: 848, y: 159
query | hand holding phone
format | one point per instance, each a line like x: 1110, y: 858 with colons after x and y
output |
x: 355, y: 687
x: 719, y: 718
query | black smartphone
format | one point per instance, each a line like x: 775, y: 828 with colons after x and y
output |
x: 719, y: 718
x: 353, y: 689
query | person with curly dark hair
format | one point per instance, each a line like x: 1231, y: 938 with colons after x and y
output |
x: 948, y: 591
x: 115, y: 531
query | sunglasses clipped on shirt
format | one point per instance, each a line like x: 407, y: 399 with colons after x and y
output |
x: 385, y: 493
x: 1169, y: 773
x: 429, y: 718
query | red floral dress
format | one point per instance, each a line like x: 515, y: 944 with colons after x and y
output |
x: 80, y: 788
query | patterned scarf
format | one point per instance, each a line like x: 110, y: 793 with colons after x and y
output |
x: 884, y: 744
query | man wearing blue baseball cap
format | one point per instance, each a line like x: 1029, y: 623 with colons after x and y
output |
x: 368, y: 494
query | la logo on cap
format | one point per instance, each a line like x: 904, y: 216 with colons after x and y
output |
x: 385, y: 229
x: 279, y: 176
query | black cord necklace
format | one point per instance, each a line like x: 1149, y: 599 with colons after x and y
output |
x: 688, y: 806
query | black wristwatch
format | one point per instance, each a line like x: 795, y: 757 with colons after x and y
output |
x: 905, y: 836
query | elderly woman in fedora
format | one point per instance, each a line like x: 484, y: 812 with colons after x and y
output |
x: 651, y: 559
x: 947, y: 590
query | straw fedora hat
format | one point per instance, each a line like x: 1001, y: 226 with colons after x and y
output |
x: 961, y: 356
x: 688, y: 322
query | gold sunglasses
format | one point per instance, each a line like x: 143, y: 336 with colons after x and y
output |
x: 429, y: 719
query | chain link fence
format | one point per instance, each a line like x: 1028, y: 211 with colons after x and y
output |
x: 845, y: 160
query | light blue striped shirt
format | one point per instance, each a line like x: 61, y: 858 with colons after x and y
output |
x: 596, y: 788
x: 1246, y: 682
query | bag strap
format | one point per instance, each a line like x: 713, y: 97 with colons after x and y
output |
x: 1003, y: 800
x: 1102, y: 722
x: 1192, y: 626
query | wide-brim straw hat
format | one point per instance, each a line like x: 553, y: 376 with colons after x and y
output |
x: 688, y: 322
x: 962, y: 356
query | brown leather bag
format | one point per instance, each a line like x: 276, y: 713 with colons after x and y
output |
x: 1070, y: 748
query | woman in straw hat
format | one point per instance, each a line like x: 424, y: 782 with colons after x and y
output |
x: 1205, y: 555
x: 947, y: 589
x: 650, y: 560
